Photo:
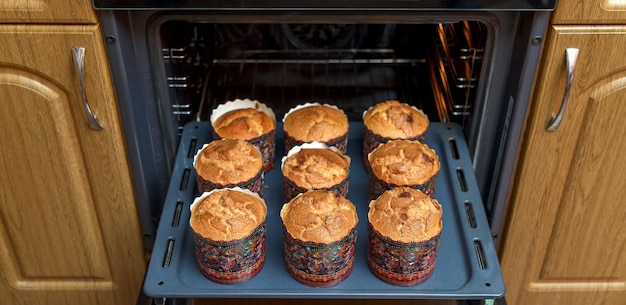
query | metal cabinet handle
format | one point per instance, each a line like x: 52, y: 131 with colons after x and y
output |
x: 571, y: 57
x: 79, y: 59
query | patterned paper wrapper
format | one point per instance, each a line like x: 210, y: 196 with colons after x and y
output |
x: 372, y: 140
x: 378, y: 186
x: 401, y: 263
x: 291, y: 189
x: 230, y: 261
x: 319, y: 264
x: 340, y: 142
x: 254, y: 184
x: 266, y: 143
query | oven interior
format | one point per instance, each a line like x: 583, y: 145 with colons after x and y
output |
x: 171, y: 68
x: 468, y: 67
x: 433, y: 66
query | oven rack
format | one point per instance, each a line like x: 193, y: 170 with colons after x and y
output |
x: 467, y: 266
x: 354, y: 78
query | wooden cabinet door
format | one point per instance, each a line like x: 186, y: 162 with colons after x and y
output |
x: 69, y: 232
x: 565, y: 238
x: 590, y: 12
x: 47, y: 11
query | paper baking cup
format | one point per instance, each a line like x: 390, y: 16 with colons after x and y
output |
x: 319, y: 264
x: 266, y: 143
x: 254, y: 184
x: 230, y: 261
x: 291, y: 189
x: 401, y: 263
x: 340, y: 142
x: 378, y: 186
x: 372, y: 140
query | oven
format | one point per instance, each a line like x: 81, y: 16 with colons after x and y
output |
x: 466, y: 63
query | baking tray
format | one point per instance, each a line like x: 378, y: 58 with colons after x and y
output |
x: 467, y: 266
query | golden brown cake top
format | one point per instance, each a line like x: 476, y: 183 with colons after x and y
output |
x: 395, y: 120
x: 228, y: 161
x: 319, y: 216
x: 316, y: 123
x: 404, y: 162
x: 227, y: 214
x: 405, y: 214
x: 316, y: 167
x: 245, y: 124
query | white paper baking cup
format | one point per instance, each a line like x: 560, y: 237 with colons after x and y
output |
x: 240, y: 104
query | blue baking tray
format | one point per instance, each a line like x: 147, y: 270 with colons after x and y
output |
x: 467, y: 265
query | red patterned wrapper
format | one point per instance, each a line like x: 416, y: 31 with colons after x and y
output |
x: 340, y: 143
x: 254, y: 184
x: 319, y: 264
x: 228, y: 261
x: 267, y: 145
x: 266, y: 142
x: 371, y: 141
x: 378, y: 186
x: 233, y: 261
x: 401, y: 263
x: 291, y: 189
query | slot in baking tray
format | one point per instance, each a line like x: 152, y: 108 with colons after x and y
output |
x: 467, y: 266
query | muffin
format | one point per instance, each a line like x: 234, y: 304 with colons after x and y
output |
x: 319, y: 237
x: 403, y: 163
x: 392, y: 120
x: 250, y: 121
x: 228, y: 227
x: 404, y: 228
x: 315, y: 166
x: 314, y: 122
x: 228, y: 163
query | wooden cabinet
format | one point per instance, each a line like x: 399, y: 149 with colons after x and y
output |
x: 590, y: 12
x: 565, y: 237
x: 47, y: 11
x: 69, y: 232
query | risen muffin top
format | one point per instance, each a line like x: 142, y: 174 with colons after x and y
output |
x: 316, y: 168
x: 316, y: 123
x: 245, y: 124
x: 228, y: 161
x: 405, y: 214
x: 319, y: 216
x: 395, y: 120
x: 404, y: 162
x: 227, y: 214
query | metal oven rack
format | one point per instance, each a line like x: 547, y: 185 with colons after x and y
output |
x: 467, y: 266
x: 353, y: 78
x: 198, y: 79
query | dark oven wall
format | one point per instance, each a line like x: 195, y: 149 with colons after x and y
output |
x: 352, y: 65
x: 172, y: 67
